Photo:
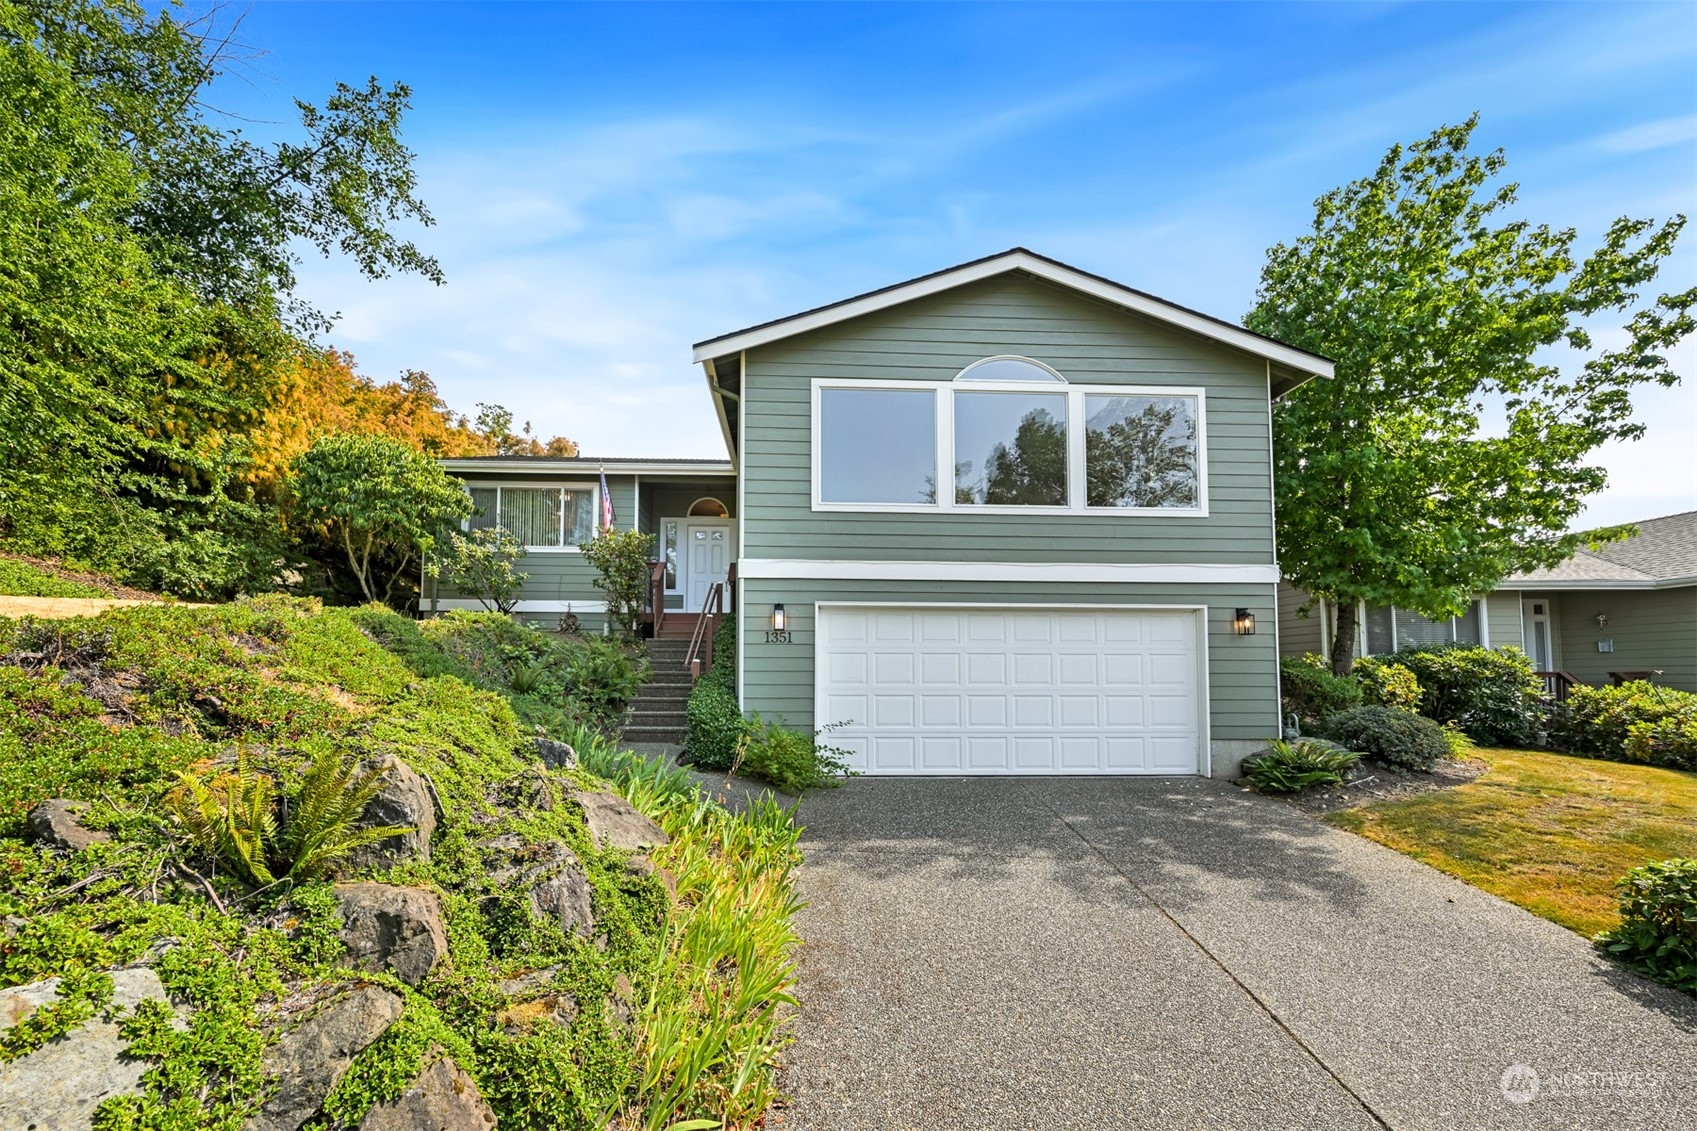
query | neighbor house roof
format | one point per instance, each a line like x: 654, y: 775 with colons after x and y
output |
x: 588, y: 465
x: 1663, y: 554
x: 1290, y: 366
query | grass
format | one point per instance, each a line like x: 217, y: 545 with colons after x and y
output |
x: 20, y: 578
x: 1550, y: 832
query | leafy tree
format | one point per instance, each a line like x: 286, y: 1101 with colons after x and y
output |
x: 377, y: 501
x: 620, y: 557
x: 1033, y: 471
x: 147, y: 256
x: 485, y: 566
x: 1435, y: 301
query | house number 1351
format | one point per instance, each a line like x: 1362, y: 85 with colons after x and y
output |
x: 778, y: 637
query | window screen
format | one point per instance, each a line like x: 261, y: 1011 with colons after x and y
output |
x: 1379, y: 637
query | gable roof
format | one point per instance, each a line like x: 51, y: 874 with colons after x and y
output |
x: 1663, y: 554
x: 1290, y: 366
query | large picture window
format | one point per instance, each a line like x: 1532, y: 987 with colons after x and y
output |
x: 1008, y: 434
x: 1386, y: 629
x: 541, y: 518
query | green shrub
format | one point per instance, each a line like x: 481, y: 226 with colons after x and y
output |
x: 620, y: 558
x: 1311, y: 692
x: 716, y: 725
x: 1490, y: 693
x: 789, y: 759
x: 1386, y: 683
x: 1657, y: 935
x: 1288, y: 767
x: 1397, y: 740
x: 1634, y: 722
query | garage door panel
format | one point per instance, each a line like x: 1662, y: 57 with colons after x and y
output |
x: 1015, y: 690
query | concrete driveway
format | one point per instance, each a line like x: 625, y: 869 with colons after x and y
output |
x: 1175, y: 953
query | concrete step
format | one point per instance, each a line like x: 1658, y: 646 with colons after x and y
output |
x: 674, y: 735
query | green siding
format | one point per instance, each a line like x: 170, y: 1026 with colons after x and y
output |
x: 1298, y: 634
x: 1502, y: 619
x: 777, y: 679
x: 1652, y: 630
x: 934, y: 338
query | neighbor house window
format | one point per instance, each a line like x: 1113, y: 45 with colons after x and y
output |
x: 541, y: 518
x: 1387, y: 629
x: 878, y: 445
x: 1008, y: 433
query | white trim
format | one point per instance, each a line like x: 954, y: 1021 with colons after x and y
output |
x: 635, y: 502
x: 475, y: 605
x: 537, y: 465
x: 1521, y: 585
x: 1204, y: 700
x: 1148, y: 573
x: 943, y: 449
x: 1484, y: 621
x: 742, y: 479
x: 962, y: 375
x: 707, y: 499
x: 1019, y: 260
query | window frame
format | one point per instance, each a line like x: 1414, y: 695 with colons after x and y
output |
x: 1396, y: 644
x: 944, y: 444
x: 589, y: 486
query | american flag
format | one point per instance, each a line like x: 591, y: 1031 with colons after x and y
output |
x: 606, y: 502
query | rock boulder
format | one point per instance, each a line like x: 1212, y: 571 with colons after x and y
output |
x: 58, y: 1086
x: 56, y: 821
x: 615, y: 823
x: 405, y: 801
x: 399, y: 929
x: 308, y: 1062
x: 443, y: 1098
x: 556, y: 755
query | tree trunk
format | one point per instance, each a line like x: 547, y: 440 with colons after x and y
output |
x: 1343, y: 639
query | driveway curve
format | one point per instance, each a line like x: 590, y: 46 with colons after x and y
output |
x: 1176, y: 953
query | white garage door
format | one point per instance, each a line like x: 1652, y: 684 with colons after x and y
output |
x: 1011, y: 691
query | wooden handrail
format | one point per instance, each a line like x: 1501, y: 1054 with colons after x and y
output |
x: 1557, y: 684
x: 700, y: 655
x: 656, y: 594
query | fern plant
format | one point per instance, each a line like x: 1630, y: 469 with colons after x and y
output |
x: 1289, y: 767
x: 233, y: 818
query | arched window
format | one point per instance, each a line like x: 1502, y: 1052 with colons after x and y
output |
x: 708, y: 507
x: 1008, y: 368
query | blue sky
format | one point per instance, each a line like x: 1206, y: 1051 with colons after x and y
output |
x: 615, y: 181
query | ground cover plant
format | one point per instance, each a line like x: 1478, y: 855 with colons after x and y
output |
x: 1289, y: 767
x: 674, y: 1001
x: 1550, y: 832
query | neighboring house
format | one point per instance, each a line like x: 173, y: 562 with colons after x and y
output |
x: 1626, y: 611
x: 1007, y: 515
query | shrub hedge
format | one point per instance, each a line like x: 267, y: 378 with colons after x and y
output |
x: 1311, y: 692
x: 1387, y: 683
x: 1398, y: 740
x: 1635, y: 722
x: 715, y: 722
x: 1657, y: 935
x: 1491, y: 693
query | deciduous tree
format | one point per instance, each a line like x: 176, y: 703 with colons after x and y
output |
x: 1438, y: 302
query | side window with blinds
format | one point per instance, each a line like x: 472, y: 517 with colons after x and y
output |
x: 541, y: 518
x: 1388, y: 629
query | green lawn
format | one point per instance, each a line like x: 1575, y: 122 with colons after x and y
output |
x: 1549, y: 832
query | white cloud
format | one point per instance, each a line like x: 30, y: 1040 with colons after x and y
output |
x: 1650, y: 135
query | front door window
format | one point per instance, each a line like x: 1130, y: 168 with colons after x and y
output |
x: 1537, y: 635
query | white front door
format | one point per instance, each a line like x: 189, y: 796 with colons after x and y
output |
x: 1535, y: 615
x: 1010, y: 690
x: 706, y: 559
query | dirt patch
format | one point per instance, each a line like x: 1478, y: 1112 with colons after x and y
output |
x: 84, y: 577
x: 1372, y: 782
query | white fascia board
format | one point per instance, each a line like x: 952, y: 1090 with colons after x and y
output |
x: 476, y: 606
x: 587, y: 470
x: 1105, y: 573
x: 1108, y: 292
x: 1518, y: 585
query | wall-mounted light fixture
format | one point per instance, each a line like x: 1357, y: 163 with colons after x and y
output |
x: 1602, y: 620
x: 1244, y: 623
x: 779, y: 622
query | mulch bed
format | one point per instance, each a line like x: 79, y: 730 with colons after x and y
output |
x: 1373, y: 782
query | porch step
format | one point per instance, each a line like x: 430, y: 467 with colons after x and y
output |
x: 674, y: 735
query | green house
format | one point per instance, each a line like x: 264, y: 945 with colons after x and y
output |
x: 1008, y: 518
